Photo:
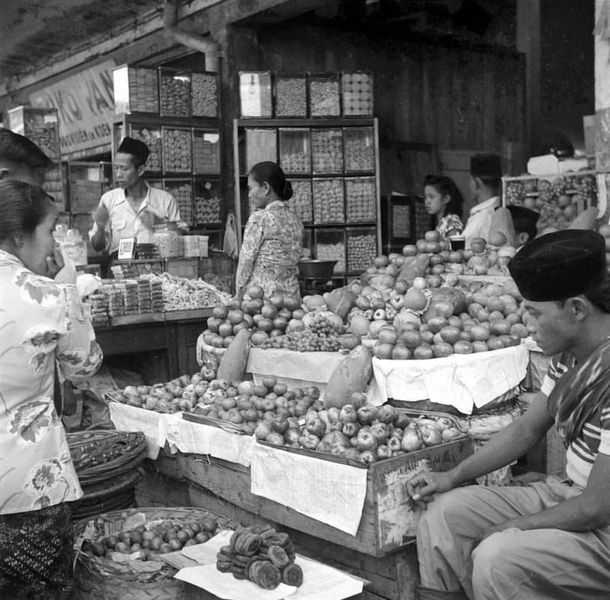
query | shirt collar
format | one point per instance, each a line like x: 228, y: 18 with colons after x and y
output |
x: 493, y: 202
x: 274, y: 204
x: 7, y: 257
x: 123, y: 196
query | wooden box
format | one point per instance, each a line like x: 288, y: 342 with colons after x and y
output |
x: 387, y: 523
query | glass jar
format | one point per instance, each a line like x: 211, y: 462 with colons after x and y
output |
x: 168, y: 240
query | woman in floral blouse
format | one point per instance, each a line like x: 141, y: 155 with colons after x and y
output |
x: 41, y: 323
x: 444, y: 201
x: 273, y: 237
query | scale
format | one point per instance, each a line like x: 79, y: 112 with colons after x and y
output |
x: 316, y: 276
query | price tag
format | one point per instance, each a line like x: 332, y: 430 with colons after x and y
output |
x: 126, y: 248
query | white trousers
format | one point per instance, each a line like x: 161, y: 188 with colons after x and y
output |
x: 540, y: 564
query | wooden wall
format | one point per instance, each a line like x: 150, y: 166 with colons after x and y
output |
x: 455, y: 98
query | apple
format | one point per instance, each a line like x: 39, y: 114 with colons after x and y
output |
x: 380, y: 432
x: 262, y: 430
x: 315, y: 425
x: 386, y: 414
x: 450, y: 433
x: 350, y: 429
x: 411, y: 440
x: 348, y: 414
x: 365, y: 440
x: 383, y: 451
x: 367, y: 457
x: 309, y: 441
x: 431, y: 436
x: 367, y: 414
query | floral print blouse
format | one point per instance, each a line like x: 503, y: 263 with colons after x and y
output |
x: 272, y: 247
x: 450, y: 225
x: 41, y: 323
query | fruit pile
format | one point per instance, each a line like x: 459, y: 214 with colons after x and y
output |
x: 178, y: 394
x: 479, y: 259
x: 148, y: 541
x: 303, y: 341
x: 261, y: 555
x: 558, y: 200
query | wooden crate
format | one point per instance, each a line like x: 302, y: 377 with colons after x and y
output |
x: 387, y: 523
x: 393, y: 576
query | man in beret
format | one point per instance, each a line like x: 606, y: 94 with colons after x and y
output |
x: 549, y: 540
x: 486, y: 217
x: 132, y: 209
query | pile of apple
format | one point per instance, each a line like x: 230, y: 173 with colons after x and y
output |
x: 148, y: 542
x: 277, y: 322
x: 180, y: 394
x: 480, y: 259
x: 297, y: 418
x: 424, y: 323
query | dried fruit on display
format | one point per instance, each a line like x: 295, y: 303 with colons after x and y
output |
x: 357, y: 91
x: 204, y: 95
x: 152, y: 138
x: 143, y: 90
x: 295, y: 151
x: 182, y: 191
x: 359, y: 149
x: 361, y: 250
x: 177, y: 151
x: 324, y: 96
x: 327, y: 150
x: 206, y: 153
x: 207, y: 202
x: 290, y: 96
x: 360, y: 199
x: 301, y: 201
x: 175, y: 94
x: 262, y: 555
x: 328, y: 201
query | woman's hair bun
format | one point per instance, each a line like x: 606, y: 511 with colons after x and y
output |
x: 287, y: 191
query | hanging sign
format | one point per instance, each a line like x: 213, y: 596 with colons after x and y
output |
x: 85, y: 106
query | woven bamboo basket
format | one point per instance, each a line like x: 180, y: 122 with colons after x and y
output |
x: 100, y: 578
x: 112, y: 494
x: 99, y: 455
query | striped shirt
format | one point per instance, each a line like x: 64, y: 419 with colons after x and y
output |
x: 595, y: 436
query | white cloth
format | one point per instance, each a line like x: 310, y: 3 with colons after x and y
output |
x: 480, y: 220
x: 41, y: 323
x: 125, y: 223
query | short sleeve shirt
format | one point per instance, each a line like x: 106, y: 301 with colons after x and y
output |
x: 595, y: 436
x: 125, y: 223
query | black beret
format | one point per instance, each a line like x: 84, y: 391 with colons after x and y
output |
x: 560, y: 265
x: 136, y: 148
x: 485, y: 165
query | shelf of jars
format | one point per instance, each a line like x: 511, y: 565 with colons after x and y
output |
x: 333, y: 166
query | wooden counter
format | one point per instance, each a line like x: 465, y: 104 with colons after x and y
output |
x: 166, y: 341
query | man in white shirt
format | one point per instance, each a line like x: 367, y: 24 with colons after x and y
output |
x: 485, y: 183
x: 132, y: 209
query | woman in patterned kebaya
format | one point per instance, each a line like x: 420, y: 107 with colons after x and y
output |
x: 41, y: 323
x: 272, y: 244
x: 444, y: 201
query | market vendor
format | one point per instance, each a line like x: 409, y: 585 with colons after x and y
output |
x: 550, y: 539
x: 487, y: 220
x: 444, y: 201
x: 272, y: 244
x: 42, y: 322
x: 132, y: 209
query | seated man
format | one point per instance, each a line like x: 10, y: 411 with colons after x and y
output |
x: 549, y: 540
x: 524, y: 222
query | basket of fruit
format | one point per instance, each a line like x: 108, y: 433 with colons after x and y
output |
x: 120, y: 552
x: 101, y: 454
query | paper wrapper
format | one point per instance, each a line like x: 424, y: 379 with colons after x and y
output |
x: 295, y: 369
x: 460, y: 380
x: 329, y: 492
x: 196, y: 438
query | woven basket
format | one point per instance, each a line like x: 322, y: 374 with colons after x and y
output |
x: 112, y: 494
x: 99, y: 578
x: 99, y: 455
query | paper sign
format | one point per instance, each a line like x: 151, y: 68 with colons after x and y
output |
x: 126, y: 248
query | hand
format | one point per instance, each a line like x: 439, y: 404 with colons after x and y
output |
x: 55, y: 263
x: 101, y: 216
x: 422, y: 487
